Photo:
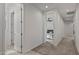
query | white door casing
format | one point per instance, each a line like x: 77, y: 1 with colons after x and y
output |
x: 12, y: 30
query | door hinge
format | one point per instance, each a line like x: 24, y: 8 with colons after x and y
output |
x: 21, y: 46
x: 21, y: 8
x: 21, y: 34
x: 21, y: 21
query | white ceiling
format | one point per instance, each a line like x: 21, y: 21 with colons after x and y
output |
x: 55, y: 6
x: 63, y: 8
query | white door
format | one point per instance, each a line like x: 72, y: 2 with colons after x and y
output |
x: 18, y: 30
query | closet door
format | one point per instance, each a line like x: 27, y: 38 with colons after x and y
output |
x: 18, y: 30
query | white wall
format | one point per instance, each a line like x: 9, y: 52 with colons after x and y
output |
x: 58, y: 26
x: 76, y: 28
x: 33, y: 35
x: 68, y: 29
x: 2, y: 29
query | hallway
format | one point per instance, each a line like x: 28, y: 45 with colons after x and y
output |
x: 34, y: 29
x: 65, y: 47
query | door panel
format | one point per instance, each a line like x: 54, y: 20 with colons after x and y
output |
x: 18, y: 29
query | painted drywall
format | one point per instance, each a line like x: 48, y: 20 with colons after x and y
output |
x: 2, y: 29
x: 76, y: 28
x: 68, y: 29
x: 16, y: 8
x: 58, y: 26
x: 33, y: 35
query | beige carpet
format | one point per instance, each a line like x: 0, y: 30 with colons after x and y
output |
x: 65, y: 47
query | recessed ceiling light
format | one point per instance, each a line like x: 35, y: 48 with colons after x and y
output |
x: 46, y: 6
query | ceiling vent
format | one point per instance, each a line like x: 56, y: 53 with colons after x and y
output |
x: 70, y: 13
